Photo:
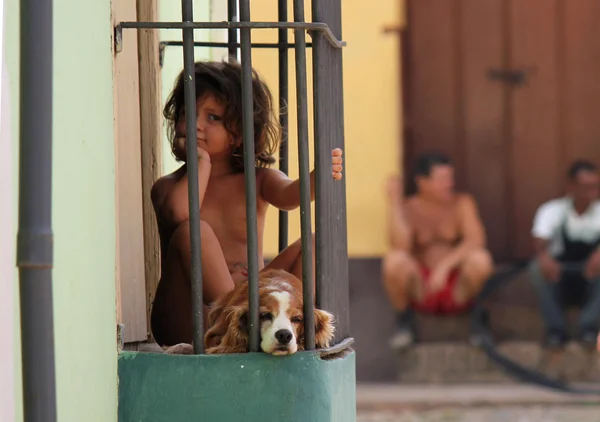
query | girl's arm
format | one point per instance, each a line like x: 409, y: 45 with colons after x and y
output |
x: 173, y: 207
x: 284, y: 193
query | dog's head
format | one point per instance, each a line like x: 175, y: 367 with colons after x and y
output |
x: 281, y: 319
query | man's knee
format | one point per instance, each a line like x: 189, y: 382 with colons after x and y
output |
x: 398, y: 263
x: 478, y: 264
x: 535, y: 273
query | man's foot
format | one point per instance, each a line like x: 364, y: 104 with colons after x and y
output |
x: 404, y: 336
x: 555, y: 340
x: 402, y: 339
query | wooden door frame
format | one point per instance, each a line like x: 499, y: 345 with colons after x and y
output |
x: 151, y: 142
x: 144, y: 126
x: 403, y: 32
x: 406, y: 141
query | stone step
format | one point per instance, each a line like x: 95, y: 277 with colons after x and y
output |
x: 514, y: 317
x: 373, y: 396
x: 459, y: 362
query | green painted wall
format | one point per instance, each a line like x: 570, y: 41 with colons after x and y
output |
x: 83, y: 207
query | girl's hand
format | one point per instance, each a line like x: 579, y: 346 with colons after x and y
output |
x: 336, y: 163
x: 203, y: 156
x: 181, y: 150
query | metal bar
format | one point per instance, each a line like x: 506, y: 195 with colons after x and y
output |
x: 310, y: 26
x: 250, y: 175
x: 189, y: 85
x: 35, y: 239
x: 278, y: 45
x: 337, y: 349
x: 304, y: 167
x: 283, y: 115
x: 328, y: 99
x: 232, y: 32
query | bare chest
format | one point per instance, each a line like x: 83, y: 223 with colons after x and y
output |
x: 435, y: 225
x: 224, y: 208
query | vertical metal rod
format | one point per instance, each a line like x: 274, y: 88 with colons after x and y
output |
x: 304, y: 167
x: 35, y: 239
x: 283, y: 115
x: 330, y: 199
x: 232, y: 33
x: 189, y: 85
x: 250, y: 175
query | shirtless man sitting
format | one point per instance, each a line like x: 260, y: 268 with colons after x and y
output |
x: 438, y: 262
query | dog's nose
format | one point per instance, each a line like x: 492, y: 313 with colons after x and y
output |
x: 283, y: 336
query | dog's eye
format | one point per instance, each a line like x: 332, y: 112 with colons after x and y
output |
x: 266, y: 316
x: 296, y: 319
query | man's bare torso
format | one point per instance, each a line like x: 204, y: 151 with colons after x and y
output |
x: 437, y: 229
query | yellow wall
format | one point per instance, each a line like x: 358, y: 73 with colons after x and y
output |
x: 372, y: 116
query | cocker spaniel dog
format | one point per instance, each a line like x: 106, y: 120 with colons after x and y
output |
x: 281, y: 319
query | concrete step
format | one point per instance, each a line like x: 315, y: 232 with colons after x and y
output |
x: 395, y: 397
x: 459, y: 362
x: 514, y: 317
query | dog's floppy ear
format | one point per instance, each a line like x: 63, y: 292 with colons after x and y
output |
x: 324, y: 328
x: 234, y: 332
x: 241, y: 315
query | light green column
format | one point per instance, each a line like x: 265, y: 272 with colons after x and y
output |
x: 83, y: 208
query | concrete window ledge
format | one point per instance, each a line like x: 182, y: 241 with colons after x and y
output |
x: 307, y: 386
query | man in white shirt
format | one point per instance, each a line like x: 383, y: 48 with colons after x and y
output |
x: 566, y: 270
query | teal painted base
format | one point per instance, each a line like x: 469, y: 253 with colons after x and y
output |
x: 243, y: 387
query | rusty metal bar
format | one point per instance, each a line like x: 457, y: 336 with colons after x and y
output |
x: 330, y: 202
x: 317, y: 27
x: 279, y: 45
x: 189, y: 85
x: 323, y: 89
x: 283, y: 44
x: 250, y: 175
x: 232, y: 38
x: 304, y: 167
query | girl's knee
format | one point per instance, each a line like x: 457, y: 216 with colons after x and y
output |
x: 180, y: 240
x: 206, y: 231
x: 181, y: 236
x: 298, y: 242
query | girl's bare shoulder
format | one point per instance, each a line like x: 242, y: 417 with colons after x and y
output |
x: 163, y: 185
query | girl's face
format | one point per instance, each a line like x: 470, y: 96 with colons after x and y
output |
x: 211, y: 134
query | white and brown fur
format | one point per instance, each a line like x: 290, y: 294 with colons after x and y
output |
x: 281, y: 319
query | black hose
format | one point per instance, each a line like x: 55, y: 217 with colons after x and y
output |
x: 484, y: 338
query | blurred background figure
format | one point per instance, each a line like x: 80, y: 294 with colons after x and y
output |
x: 566, y: 270
x: 437, y: 262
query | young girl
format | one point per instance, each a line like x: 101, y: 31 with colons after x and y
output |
x: 222, y: 195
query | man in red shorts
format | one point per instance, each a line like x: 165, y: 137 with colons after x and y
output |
x: 438, y: 262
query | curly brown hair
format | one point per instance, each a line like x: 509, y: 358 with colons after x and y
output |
x: 224, y: 81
